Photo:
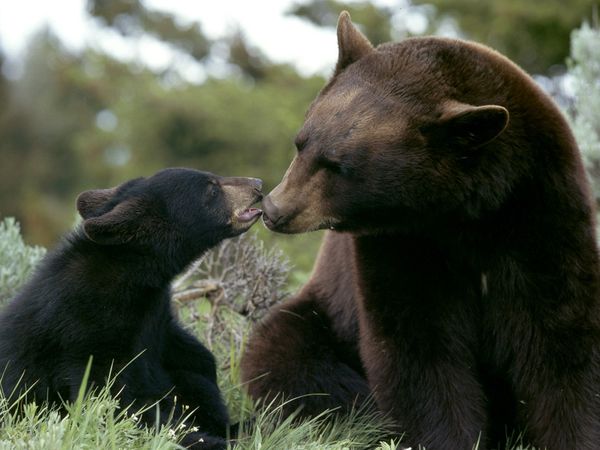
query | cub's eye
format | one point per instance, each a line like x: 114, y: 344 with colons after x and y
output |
x: 213, y: 190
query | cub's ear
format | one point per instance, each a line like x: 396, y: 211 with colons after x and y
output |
x: 469, y: 127
x: 117, y: 226
x: 352, y: 44
x: 89, y: 202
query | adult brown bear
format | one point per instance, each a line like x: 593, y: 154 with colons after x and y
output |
x: 460, y: 285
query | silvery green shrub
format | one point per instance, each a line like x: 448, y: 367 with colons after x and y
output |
x: 584, y: 74
x: 17, y: 260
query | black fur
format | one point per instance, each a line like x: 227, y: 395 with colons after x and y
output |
x: 105, y: 292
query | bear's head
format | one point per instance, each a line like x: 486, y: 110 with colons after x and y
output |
x: 177, y: 212
x: 407, y: 133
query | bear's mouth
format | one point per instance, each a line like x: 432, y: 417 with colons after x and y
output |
x: 248, y: 215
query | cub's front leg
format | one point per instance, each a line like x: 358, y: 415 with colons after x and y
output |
x: 182, y: 351
x: 192, y: 368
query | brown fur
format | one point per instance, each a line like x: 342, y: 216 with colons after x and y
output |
x: 461, y: 285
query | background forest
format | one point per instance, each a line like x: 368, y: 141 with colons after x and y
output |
x: 74, y: 120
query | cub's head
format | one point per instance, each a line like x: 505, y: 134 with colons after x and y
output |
x: 401, y: 134
x: 176, y: 212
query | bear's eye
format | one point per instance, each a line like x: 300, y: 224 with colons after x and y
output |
x: 300, y: 142
x: 213, y: 190
x: 334, y: 166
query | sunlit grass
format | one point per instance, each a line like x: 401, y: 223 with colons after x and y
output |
x: 96, y: 420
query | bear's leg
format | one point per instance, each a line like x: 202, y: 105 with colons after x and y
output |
x: 294, y: 354
x: 421, y: 341
x: 432, y: 393
x: 558, y: 389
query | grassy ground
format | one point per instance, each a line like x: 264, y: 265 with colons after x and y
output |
x: 94, y: 422
x: 218, y: 299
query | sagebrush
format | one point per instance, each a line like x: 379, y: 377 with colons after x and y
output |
x: 17, y: 259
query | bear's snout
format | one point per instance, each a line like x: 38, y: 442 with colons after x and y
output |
x: 272, y: 215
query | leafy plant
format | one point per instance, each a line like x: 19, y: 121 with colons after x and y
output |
x: 17, y: 260
x: 229, y: 288
x: 584, y: 72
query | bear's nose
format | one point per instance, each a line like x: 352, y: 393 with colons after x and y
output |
x: 271, y: 213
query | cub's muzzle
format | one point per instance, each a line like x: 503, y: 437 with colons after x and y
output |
x: 241, y: 194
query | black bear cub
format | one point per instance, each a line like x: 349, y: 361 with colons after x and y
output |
x: 105, y: 292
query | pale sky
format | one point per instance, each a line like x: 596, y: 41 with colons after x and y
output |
x: 282, y: 38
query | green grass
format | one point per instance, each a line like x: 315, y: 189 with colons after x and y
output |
x: 95, y: 421
x: 270, y: 430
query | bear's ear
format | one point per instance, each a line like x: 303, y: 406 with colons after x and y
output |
x: 352, y: 44
x: 89, y: 202
x: 117, y: 226
x: 469, y: 127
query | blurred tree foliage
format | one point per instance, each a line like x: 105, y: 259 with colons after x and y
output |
x: 79, y: 120
x: 534, y: 34
x: 132, y: 18
x: 373, y: 20
x: 75, y: 121
x: 584, y: 70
